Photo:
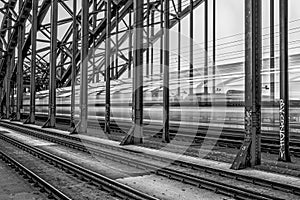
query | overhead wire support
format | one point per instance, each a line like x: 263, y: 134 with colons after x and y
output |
x: 206, y: 47
x: 284, y: 151
x: 179, y: 49
x: 166, y: 100
x: 191, y: 72
x: 148, y: 39
x: 214, y: 48
x: 272, y: 52
x: 108, y: 66
x: 161, y: 36
x: 95, y: 12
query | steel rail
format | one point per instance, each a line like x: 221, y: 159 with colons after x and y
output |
x: 187, y: 178
x: 113, y: 187
x: 294, y: 125
x: 34, y: 178
x: 230, y: 137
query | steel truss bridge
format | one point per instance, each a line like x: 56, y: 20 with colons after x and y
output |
x: 74, y: 46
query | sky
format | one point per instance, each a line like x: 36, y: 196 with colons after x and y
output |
x: 230, y: 21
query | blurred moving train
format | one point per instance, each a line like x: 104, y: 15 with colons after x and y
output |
x: 227, y: 103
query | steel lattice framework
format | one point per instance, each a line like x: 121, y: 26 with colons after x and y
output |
x: 28, y: 32
x: 97, y: 34
x: 49, y: 44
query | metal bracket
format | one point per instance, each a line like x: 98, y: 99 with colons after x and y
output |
x: 74, y: 128
x: 13, y: 117
x: 47, y: 124
x: 27, y: 121
x: 242, y: 159
x: 130, y: 138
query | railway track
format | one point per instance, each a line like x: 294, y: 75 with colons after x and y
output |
x: 230, y: 137
x: 33, y: 178
x: 198, y: 181
x: 113, y: 187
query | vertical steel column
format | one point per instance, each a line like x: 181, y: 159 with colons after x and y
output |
x: 166, y: 106
x: 138, y: 65
x: 11, y: 87
x: 8, y: 72
x: 31, y: 118
x: 152, y: 35
x: 21, y: 35
x: 7, y: 87
x: 94, y: 37
x: 179, y: 48
x: 129, y: 44
x: 112, y: 65
x: 62, y: 62
x: 148, y: 39
x: 108, y: 64
x: 12, y: 92
x: 214, y: 48
x: 1, y: 47
x: 162, y: 35
x: 206, y: 47
x: 1, y: 85
x: 250, y: 152
x: 253, y: 83
x: 84, y: 67
x: 74, y: 67
x: 1, y: 100
x: 272, y: 53
x: 134, y: 84
x: 191, y: 74
x: 117, y: 43
x: 53, y: 55
x: 135, y: 134
x: 284, y: 152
